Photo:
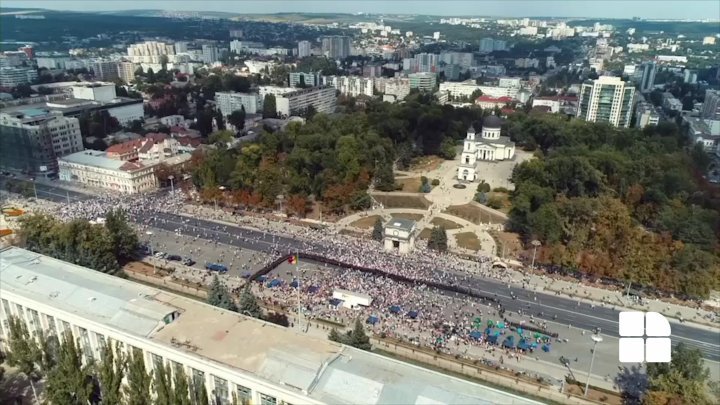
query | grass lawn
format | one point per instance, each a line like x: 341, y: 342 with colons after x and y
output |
x: 445, y: 223
x: 407, y: 215
x: 365, y: 223
x: 511, y: 241
x: 468, y: 240
x: 425, y: 234
x: 410, y: 184
x: 426, y: 163
x: 403, y: 201
x: 505, y: 198
x: 473, y: 214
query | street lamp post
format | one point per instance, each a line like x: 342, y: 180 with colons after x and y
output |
x: 172, y: 185
x: 152, y: 252
x: 596, y: 339
x: 535, y: 244
x: 34, y: 187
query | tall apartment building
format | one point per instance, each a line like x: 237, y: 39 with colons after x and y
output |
x: 228, y: 102
x: 309, y: 79
x: 323, y: 99
x: 711, y: 105
x: 645, y: 115
x: 425, y: 62
x: 104, y: 69
x: 181, y: 47
x: 397, y: 87
x: 424, y: 81
x: 304, y: 49
x: 126, y: 71
x: 463, y: 59
x: 488, y: 45
x: 336, y: 46
x: 353, y: 86
x: 33, y: 139
x: 273, y: 365
x: 14, y: 76
x: 647, y: 81
x: 210, y: 54
x: 149, y: 52
x: 606, y: 99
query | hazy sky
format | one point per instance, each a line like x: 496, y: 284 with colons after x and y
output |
x: 677, y: 9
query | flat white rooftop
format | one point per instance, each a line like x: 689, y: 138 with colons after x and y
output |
x: 323, y: 370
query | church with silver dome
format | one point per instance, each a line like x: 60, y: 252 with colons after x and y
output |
x: 491, y: 146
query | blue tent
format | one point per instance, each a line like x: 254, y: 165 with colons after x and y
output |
x: 488, y: 331
x: 493, y: 339
x: 546, y: 348
x: 477, y: 335
x: 275, y: 283
x: 395, y: 309
x: 412, y: 314
x: 313, y: 289
x: 294, y: 284
x: 335, y: 302
x: 509, y: 342
x: 262, y: 279
x: 372, y: 320
x: 523, y: 345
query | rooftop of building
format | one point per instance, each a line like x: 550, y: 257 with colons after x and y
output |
x: 73, y: 105
x: 401, y: 224
x: 99, y: 159
x: 325, y: 371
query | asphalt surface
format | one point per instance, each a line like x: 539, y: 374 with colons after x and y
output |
x: 558, y: 309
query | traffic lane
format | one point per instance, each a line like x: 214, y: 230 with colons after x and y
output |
x: 555, y: 308
x: 580, y: 315
x: 53, y: 193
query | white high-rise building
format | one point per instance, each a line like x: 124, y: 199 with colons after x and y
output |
x: 304, y: 49
x: 425, y: 81
x: 425, y: 62
x: 645, y: 115
x: 14, y: 76
x: 209, y: 54
x: 351, y: 85
x: 323, y: 100
x: 647, y: 82
x: 149, y: 52
x: 336, y: 47
x: 228, y: 102
x: 308, y: 79
x: 606, y: 99
x: 126, y: 71
x: 399, y: 88
x: 181, y: 47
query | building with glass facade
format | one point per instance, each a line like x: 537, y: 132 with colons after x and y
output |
x: 607, y: 99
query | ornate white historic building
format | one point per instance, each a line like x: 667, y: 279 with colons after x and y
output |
x: 490, y: 147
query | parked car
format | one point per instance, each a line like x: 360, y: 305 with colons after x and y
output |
x: 174, y: 258
x: 188, y: 261
x: 160, y: 255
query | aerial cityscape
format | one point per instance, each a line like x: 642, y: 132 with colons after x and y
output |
x: 397, y: 202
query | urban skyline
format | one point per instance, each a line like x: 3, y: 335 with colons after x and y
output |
x: 694, y: 10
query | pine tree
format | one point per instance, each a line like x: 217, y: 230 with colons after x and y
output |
x: 269, y: 106
x: 335, y: 336
x: 377, y: 233
x: 248, y: 303
x: 438, y: 239
x: 137, y: 389
x: 69, y: 382
x: 358, y: 338
x: 111, y: 371
x: 180, y: 387
x: 219, y: 296
x: 162, y: 385
x: 24, y: 351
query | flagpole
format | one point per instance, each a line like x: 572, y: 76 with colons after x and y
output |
x: 297, y: 268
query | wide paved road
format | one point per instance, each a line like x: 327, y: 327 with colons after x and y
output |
x: 566, y: 310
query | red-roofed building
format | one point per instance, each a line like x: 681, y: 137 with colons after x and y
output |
x: 126, y: 150
x: 490, y: 102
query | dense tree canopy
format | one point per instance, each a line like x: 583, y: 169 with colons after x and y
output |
x: 619, y: 203
x: 333, y: 158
